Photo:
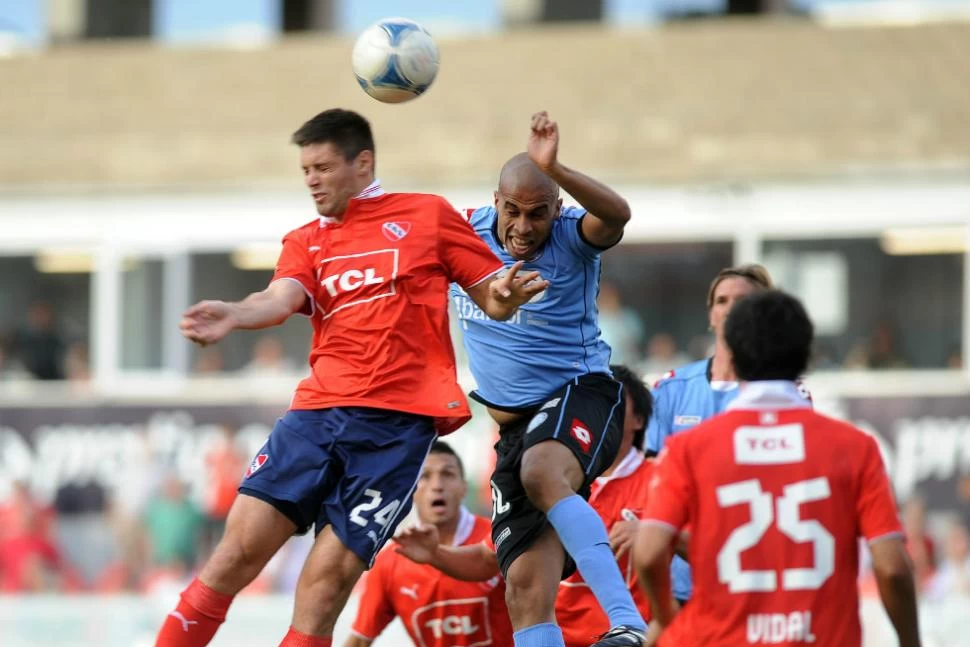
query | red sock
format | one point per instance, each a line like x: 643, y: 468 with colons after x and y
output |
x: 294, y: 638
x: 196, y: 619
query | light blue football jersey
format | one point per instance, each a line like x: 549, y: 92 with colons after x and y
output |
x: 547, y: 342
x: 682, y: 399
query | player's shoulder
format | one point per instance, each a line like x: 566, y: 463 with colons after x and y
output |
x: 836, y: 428
x: 679, y: 377
x: 571, y: 214
x: 480, y: 218
x: 305, y: 231
x: 419, y: 200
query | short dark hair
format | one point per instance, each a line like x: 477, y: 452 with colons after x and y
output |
x: 770, y: 336
x: 637, y: 391
x: 441, y: 447
x: 349, y: 132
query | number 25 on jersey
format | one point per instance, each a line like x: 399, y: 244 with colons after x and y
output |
x: 783, y: 512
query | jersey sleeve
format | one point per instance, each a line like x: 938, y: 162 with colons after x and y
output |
x: 671, y: 489
x: 570, y: 232
x: 659, y: 425
x: 467, y: 259
x: 876, y: 506
x: 375, y: 611
x: 295, y: 264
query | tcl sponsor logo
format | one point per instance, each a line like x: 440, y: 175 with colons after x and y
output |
x: 453, y: 623
x: 356, y: 278
x: 581, y: 433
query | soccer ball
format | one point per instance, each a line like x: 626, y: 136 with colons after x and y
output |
x: 395, y: 60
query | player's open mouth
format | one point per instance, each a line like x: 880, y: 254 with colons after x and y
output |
x: 518, y: 246
x: 438, y: 504
x: 319, y: 197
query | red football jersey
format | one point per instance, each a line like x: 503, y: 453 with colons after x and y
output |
x: 616, y: 498
x: 436, y: 610
x: 777, y: 496
x: 377, y: 296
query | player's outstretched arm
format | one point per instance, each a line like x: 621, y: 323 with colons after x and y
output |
x: 501, y: 297
x: 606, y: 211
x: 209, y: 321
x: 651, y: 559
x: 894, y: 575
x: 467, y: 563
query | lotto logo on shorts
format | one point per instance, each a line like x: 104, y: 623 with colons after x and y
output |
x: 356, y: 278
x: 461, y: 623
x: 581, y: 433
x: 258, y: 462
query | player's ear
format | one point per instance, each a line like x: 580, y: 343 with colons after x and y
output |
x: 364, y: 162
x: 558, y: 207
x: 495, y: 196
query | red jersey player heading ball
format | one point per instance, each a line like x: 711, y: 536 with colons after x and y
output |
x: 776, y: 497
x: 372, y: 272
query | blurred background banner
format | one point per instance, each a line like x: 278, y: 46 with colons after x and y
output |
x: 115, y: 447
x: 145, y: 165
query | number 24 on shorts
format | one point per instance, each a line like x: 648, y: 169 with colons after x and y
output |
x: 787, y: 520
x: 382, y: 517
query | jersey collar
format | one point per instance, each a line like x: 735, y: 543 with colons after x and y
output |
x: 372, y: 190
x: 773, y: 395
x: 466, y: 525
x: 630, y: 464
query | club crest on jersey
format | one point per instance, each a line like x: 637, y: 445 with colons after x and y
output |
x: 258, y: 462
x: 395, y: 231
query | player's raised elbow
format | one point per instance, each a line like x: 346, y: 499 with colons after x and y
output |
x: 623, y: 213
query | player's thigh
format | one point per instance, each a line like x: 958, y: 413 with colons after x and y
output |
x: 296, y: 468
x: 255, y: 530
x: 381, y: 453
x: 586, y: 417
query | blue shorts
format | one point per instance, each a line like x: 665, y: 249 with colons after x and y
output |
x: 351, y: 467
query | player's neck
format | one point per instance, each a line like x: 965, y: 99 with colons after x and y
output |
x: 722, y: 367
x: 447, y: 530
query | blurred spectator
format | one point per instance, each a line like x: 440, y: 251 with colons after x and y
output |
x: 921, y: 548
x: 38, y: 345
x: 83, y: 533
x: 662, y: 355
x: 269, y: 358
x: 209, y: 361
x: 953, y: 576
x: 174, y: 526
x: 224, y: 469
x: 620, y: 325
x: 879, y: 352
x: 29, y: 561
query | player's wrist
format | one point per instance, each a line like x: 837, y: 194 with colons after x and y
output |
x: 555, y: 171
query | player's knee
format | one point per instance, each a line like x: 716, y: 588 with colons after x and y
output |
x: 546, y: 476
x: 235, y: 563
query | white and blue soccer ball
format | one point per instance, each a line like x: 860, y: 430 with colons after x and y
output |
x: 395, y: 60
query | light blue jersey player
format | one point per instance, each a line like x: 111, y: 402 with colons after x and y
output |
x: 544, y: 376
x: 688, y: 395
